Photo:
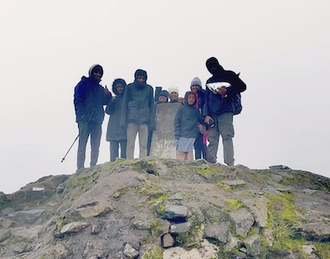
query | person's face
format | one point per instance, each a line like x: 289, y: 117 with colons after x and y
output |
x: 174, y: 96
x: 191, y: 99
x: 141, y: 79
x: 120, y: 89
x: 194, y: 88
x: 162, y: 99
x: 97, y: 74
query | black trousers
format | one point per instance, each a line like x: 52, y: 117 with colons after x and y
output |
x: 114, y: 149
x: 200, y: 148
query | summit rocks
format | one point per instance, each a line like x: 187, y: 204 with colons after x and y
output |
x: 180, y: 210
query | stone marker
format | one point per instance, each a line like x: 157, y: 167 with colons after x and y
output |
x: 163, y: 141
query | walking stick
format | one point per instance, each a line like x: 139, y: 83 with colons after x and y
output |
x: 69, y: 148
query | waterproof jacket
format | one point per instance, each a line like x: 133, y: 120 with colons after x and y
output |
x: 215, y: 104
x: 138, y: 105
x: 187, y: 119
x: 89, y: 99
x: 114, y: 131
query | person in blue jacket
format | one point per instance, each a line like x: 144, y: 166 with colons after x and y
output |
x: 116, y: 135
x: 218, y: 109
x: 89, y: 100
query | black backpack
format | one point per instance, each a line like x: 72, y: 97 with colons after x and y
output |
x: 237, y: 103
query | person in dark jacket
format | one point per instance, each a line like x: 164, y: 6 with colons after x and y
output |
x: 186, y: 127
x: 89, y: 99
x: 116, y: 135
x: 200, y: 143
x: 137, y: 110
x: 218, y: 109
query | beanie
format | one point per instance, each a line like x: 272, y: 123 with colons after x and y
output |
x: 164, y: 93
x: 173, y: 89
x: 196, y: 81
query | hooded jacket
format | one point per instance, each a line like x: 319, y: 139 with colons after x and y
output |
x: 138, y: 102
x: 215, y: 104
x: 114, y: 131
x: 89, y: 98
x: 186, y: 119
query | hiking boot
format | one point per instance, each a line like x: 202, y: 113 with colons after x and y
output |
x: 231, y: 164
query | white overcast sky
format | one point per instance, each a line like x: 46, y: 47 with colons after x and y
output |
x: 281, y: 48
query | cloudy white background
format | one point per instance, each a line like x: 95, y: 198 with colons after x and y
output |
x: 281, y: 48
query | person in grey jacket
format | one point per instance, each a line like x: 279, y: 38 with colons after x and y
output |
x: 89, y: 99
x: 116, y: 135
x: 186, y: 128
x: 137, y: 110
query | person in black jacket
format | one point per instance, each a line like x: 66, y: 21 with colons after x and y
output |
x: 137, y: 111
x: 186, y: 127
x: 89, y: 99
x: 218, y: 109
x: 116, y: 135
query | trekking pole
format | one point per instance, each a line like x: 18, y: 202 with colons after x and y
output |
x: 69, y: 148
x: 82, y: 128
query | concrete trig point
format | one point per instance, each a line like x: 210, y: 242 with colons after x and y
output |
x: 163, y: 140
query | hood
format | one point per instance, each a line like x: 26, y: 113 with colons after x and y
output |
x: 95, y: 67
x: 118, y: 81
x: 140, y: 72
x: 213, y: 66
x: 186, y: 98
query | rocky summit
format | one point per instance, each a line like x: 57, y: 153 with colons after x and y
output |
x: 164, y: 208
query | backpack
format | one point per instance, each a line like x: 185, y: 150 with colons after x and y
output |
x: 237, y: 103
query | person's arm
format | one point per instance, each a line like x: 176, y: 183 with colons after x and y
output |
x: 237, y: 84
x: 177, y: 124
x: 123, y: 117
x: 78, y: 100
x: 152, y: 107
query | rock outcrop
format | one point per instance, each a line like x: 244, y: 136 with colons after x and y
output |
x: 164, y: 208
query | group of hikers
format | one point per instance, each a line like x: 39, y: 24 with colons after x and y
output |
x: 203, y: 116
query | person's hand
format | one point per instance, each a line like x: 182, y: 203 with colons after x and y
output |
x: 207, y: 119
x: 106, y: 90
x: 222, y: 91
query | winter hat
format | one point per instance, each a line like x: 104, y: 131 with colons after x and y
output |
x: 196, y: 81
x: 173, y: 89
x: 95, y: 68
x: 164, y: 93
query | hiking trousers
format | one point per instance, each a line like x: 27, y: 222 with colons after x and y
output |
x: 132, y: 130
x: 223, y: 127
x: 86, y: 130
